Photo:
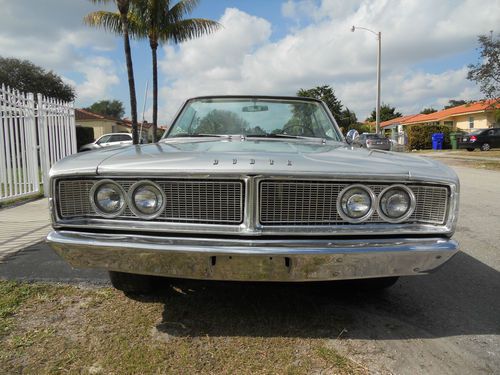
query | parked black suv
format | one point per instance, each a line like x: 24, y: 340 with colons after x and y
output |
x: 484, y: 139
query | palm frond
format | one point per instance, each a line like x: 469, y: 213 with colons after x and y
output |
x: 109, y: 21
x: 184, y: 30
x: 181, y: 9
x: 112, y: 22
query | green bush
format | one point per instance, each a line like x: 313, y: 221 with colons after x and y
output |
x: 420, y: 136
x: 84, y: 135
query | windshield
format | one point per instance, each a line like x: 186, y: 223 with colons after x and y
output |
x: 254, y: 117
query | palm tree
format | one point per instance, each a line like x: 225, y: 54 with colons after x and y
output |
x: 119, y: 23
x: 160, y: 23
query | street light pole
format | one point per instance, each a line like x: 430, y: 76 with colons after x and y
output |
x: 379, y: 58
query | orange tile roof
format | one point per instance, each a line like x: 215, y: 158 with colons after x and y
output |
x: 479, y: 106
x: 397, y: 120
x: 83, y: 114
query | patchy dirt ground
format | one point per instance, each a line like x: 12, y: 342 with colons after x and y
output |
x: 220, y: 329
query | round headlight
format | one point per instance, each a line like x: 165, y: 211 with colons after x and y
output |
x: 396, y: 203
x: 107, y: 198
x: 355, y: 203
x: 147, y: 199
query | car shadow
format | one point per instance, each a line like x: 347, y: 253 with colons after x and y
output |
x: 459, y: 299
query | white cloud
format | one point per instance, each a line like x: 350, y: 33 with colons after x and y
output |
x: 242, y: 58
x: 100, y: 76
x: 51, y: 34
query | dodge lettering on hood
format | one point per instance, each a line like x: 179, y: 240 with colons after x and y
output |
x: 253, y: 189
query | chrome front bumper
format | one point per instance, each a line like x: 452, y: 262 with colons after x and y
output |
x: 253, y: 259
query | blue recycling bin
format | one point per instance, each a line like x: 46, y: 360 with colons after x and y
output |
x: 437, y: 141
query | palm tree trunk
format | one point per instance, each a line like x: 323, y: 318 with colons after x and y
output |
x: 154, y: 46
x: 131, y: 81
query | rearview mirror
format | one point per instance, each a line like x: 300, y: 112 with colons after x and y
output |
x: 351, y: 136
x: 255, y: 108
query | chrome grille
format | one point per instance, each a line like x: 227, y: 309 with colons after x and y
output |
x: 188, y: 201
x: 314, y: 203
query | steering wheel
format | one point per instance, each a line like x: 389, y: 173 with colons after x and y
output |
x: 307, y: 131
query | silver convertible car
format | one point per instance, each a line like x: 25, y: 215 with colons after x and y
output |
x: 253, y: 189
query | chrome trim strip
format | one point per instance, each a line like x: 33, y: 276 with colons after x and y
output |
x: 253, y: 259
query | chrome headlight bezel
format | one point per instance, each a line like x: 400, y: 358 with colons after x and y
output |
x: 367, y: 215
x: 409, y: 212
x: 132, y: 205
x: 96, y: 206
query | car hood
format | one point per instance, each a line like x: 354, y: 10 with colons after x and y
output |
x: 251, y: 157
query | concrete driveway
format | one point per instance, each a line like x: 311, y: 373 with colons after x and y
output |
x: 445, y: 323
x: 22, y: 226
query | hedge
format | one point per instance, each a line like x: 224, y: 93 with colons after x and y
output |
x: 84, y: 135
x: 420, y: 136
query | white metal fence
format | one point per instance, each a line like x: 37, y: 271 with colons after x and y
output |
x: 34, y: 134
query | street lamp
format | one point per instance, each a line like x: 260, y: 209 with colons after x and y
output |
x: 379, y: 55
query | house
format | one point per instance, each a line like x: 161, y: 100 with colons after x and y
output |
x: 467, y: 117
x: 104, y: 124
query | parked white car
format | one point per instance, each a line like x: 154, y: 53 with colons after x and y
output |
x: 107, y: 140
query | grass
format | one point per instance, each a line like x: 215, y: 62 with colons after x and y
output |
x: 222, y: 329
x: 479, y: 164
x: 19, y: 200
x: 461, y: 152
x: 4, y: 189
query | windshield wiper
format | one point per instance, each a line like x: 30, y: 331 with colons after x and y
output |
x: 187, y: 135
x: 280, y: 135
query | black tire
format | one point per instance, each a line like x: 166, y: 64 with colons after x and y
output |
x: 470, y: 149
x: 485, y: 146
x: 379, y: 283
x: 132, y: 283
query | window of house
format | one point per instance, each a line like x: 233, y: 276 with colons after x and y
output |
x: 448, y: 123
x: 471, y: 122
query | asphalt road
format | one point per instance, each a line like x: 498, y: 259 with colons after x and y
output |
x: 444, y: 323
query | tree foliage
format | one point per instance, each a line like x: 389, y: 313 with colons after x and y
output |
x: 486, y: 72
x: 455, y: 103
x: 327, y: 95
x: 386, y: 113
x: 221, y: 122
x: 111, y: 108
x: 25, y: 76
x: 426, y: 111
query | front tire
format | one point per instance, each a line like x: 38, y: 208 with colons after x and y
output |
x: 132, y: 283
x: 485, y: 147
x: 470, y: 149
x: 379, y: 283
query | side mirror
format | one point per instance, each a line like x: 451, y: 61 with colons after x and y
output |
x: 351, y: 136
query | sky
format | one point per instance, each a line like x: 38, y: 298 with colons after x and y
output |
x: 272, y: 47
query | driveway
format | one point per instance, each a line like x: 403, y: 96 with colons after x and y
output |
x: 444, y: 323
x: 22, y: 226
